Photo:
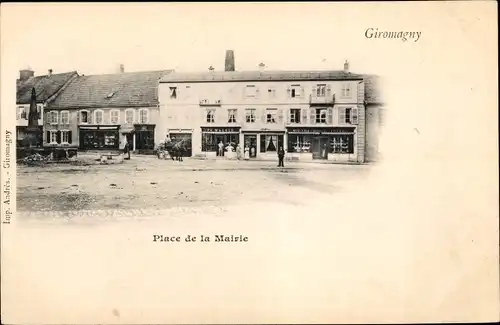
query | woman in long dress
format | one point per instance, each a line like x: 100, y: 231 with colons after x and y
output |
x: 247, y: 153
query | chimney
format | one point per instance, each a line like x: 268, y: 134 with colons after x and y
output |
x: 229, y: 64
x: 50, y: 72
x: 346, y: 66
x: 122, y: 68
x: 25, y: 74
x: 262, y: 66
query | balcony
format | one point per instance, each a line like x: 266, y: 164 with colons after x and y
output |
x: 210, y: 102
x: 322, y: 100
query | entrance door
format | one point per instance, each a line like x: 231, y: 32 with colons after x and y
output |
x: 130, y: 139
x: 251, y: 143
x: 320, y: 147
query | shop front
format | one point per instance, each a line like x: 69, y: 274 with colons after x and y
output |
x: 186, y: 137
x: 216, y: 141
x: 331, y: 143
x: 144, y: 138
x: 99, y: 137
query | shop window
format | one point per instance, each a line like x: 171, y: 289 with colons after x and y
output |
x: 270, y: 143
x: 64, y: 117
x: 173, y: 92
x: 143, y: 116
x: 114, y: 116
x: 231, y: 118
x: 320, y: 115
x: 211, y: 116
x: 210, y: 141
x: 299, y: 143
x: 271, y: 115
x: 84, y: 117
x: 129, y: 116
x: 295, y: 115
x: 250, y: 115
x: 98, y: 117
x: 342, y: 143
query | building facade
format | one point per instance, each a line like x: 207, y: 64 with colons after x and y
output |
x: 103, y: 112
x: 47, y: 88
x: 375, y: 117
x: 312, y: 115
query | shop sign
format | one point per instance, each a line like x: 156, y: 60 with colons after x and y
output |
x: 220, y: 130
x: 318, y: 131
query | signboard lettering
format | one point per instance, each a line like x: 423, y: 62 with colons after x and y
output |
x: 220, y: 130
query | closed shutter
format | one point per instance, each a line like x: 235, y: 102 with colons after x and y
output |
x: 264, y: 116
x: 289, y: 116
x: 47, y: 137
x: 312, y: 115
x: 280, y: 116
x: 302, y: 91
x: 304, y: 116
x: 58, y: 137
x: 70, y: 139
x: 90, y: 117
x: 329, y: 116
x: 314, y: 92
x: 328, y: 90
x: 342, y: 115
x: 354, y: 119
x: 78, y: 117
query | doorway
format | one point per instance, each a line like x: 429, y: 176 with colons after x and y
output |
x: 320, y: 148
x: 130, y: 140
x: 251, y: 143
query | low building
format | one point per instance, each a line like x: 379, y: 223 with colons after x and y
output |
x: 311, y: 114
x: 103, y: 112
x: 47, y: 88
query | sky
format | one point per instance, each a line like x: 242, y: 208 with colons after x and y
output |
x: 97, y: 38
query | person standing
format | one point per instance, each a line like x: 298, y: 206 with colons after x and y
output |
x: 247, y: 153
x: 281, y: 157
x: 238, y: 152
x: 126, y: 150
x: 221, y: 149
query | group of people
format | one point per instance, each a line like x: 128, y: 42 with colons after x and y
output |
x: 247, y: 152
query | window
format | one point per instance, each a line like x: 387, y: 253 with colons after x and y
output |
x: 210, y: 142
x: 321, y: 90
x: 129, y: 116
x: 64, y: 117
x: 66, y: 137
x: 98, y: 117
x: 320, y: 115
x: 143, y: 116
x: 295, y: 115
x: 271, y: 115
x: 84, y: 117
x: 270, y: 142
x: 346, y: 90
x: 173, y: 92
x: 114, y: 116
x: 210, y: 115
x: 299, y: 143
x: 21, y: 113
x: 271, y: 92
x: 348, y: 115
x: 53, y: 117
x: 231, y: 116
x: 295, y: 91
x: 53, y: 137
x: 342, y: 143
x: 251, y: 91
x: 250, y: 115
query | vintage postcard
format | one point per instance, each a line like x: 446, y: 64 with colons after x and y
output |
x: 230, y: 163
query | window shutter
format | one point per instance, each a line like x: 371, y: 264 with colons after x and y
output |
x: 257, y: 91
x: 47, y: 137
x: 342, y: 115
x: 354, y: 119
x: 302, y: 91
x: 58, y: 137
x: 289, y: 116
x: 90, y: 117
x: 70, y: 140
x: 304, y: 115
x: 329, y: 117
x: 264, y: 117
x: 312, y: 115
x: 315, y: 92
x: 56, y: 114
x: 289, y: 91
x: 280, y: 116
x: 78, y: 113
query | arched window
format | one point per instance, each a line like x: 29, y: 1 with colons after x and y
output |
x: 143, y: 116
x: 98, y: 116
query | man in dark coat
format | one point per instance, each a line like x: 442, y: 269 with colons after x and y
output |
x: 281, y: 157
x: 126, y: 150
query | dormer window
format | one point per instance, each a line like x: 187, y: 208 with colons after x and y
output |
x: 110, y: 94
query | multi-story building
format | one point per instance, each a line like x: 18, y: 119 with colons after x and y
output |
x: 105, y: 111
x: 375, y: 117
x: 47, y: 88
x: 312, y: 115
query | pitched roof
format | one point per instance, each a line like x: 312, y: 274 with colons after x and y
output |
x: 130, y: 89
x: 45, y: 86
x: 372, y: 89
x: 225, y: 76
